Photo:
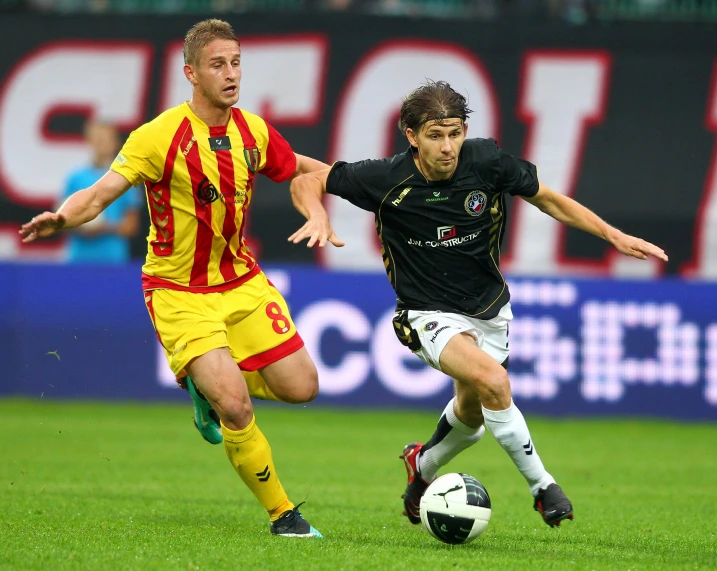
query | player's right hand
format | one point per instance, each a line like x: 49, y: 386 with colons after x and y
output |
x: 41, y: 226
x: 317, y: 231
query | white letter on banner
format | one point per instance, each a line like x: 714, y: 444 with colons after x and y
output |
x: 365, y: 125
x: 390, y: 358
x: 165, y: 376
x: 562, y: 93
x: 353, y: 369
x: 711, y: 360
x: 108, y: 81
x: 537, y: 340
x: 704, y: 264
x: 282, y: 78
x: 606, y: 369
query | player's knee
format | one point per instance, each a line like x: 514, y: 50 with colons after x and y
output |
x: 304, y: 389
x: 234, y: 409
x: 494, y: 388
x: 311, y: 387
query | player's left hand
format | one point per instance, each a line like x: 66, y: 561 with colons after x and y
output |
x: 316, y: 230
x: 637, y: 247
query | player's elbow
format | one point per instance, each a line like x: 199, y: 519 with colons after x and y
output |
x: 303, y: 186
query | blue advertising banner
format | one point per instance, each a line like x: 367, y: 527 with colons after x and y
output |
x: 578, y: 347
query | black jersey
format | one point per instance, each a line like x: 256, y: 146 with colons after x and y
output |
x: 441, y: 239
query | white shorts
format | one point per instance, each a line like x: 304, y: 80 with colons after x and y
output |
x: 435, y: 328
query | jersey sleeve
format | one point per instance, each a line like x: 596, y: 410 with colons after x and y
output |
x: 359, y: 183
x: 139, y: 160
x: 280, y: 158
x: 516, y: 176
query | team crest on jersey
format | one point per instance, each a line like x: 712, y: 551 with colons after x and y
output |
x: 431, y: 325
x: 475, y: 203
x: 206, y: 192
x: 252, y: 156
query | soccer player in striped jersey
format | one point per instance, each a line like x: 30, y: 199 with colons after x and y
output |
x: 211, y: 305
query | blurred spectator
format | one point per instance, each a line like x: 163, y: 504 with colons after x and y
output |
x: 107, y: 238
x: 572, y: 11
x: 336, y: 5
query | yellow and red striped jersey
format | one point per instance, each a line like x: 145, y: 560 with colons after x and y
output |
x: 199, y: 182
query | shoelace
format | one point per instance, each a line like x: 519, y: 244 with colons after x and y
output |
x: 293, y: 513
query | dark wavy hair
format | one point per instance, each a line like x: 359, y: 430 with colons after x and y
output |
x: 432, y: 101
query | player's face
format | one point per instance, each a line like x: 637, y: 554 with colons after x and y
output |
x: 218, y: 74
x: 439, y: 144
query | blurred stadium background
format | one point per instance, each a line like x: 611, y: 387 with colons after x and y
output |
x: 614, y: 100
x: 619, y: 114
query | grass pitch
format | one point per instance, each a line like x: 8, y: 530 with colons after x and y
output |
x: 128, y: 486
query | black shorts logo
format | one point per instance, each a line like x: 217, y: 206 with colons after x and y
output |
x: 206, y: 192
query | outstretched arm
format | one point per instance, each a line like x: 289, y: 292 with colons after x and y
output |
x: 306, y: 165
x: 83, y: 206
x: 306, y: 193
x: 568, y: 211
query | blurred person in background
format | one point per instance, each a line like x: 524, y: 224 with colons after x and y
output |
x: 226, y: 331
x: 440, y: 216
x: 106, y: 239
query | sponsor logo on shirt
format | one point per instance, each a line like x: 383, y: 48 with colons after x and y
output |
x: 475, y: 203
x: 401, y: 196
x: 120, y: 159
x: 220, y: 143
x: 446, y: 232
x: 189, y: 146
x: 448, y: 240
x: 239, y: 197
x: 437, y: 197
x: 206, y: 192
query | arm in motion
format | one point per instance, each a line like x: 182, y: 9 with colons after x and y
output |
x: 568, y: 211
x: 307, y: 191
x: 83, y: 206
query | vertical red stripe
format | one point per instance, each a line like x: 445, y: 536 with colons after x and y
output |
x: 150, y: 309
x: 227, y: 188
x: 249, y: 142
x: 160, y: 208
x: 203, y: 212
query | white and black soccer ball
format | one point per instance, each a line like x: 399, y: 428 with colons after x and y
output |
x: 455, y: 508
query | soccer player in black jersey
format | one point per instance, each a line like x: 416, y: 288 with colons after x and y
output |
x: 441, y: 215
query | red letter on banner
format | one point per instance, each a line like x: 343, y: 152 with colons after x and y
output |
x: 562, y: 93
x: 704, y: 262
x: 101, y: 80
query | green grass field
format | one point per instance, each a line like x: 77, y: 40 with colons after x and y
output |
x: 128, y: 486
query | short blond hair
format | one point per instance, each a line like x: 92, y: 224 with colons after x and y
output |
x: 201, y: 34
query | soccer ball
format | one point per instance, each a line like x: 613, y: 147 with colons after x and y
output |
x: 455, y: 508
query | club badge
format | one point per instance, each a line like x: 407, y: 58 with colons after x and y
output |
x: 475, y: 203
